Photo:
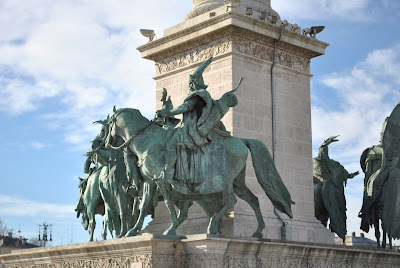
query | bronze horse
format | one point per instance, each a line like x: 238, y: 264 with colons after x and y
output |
x: 147, y: 141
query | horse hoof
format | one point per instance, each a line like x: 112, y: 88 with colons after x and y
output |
x: 169, y: 232
x: 212, y: 230
x: 257, y: 235
x: 131, y: 233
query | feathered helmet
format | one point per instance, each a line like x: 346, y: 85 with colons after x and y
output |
x: 197, y: 76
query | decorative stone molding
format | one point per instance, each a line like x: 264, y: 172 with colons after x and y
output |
x: 258, y: 46
x: 250, y: 44
x: 143, y: 261
x: 198, y: 251
x: 178, y: 39
x: 198, y: 54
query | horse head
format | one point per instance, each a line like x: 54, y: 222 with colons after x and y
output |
x: 104, y: 128
x: 111, y: 139
x: 125, y: 123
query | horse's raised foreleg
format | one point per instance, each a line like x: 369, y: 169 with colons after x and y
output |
x: 147, y: 198
x: 244, y: 193
x: 166, y: 192
x: 229, y: 200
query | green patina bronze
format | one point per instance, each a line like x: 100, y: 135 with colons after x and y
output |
x: 195, y: 159
x: 371, y: 162
x: 103, y: 189
x: 383, y: 194
x: 134, y: 163
x: 330, y: 177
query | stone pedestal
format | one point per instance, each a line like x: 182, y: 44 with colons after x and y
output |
x: 198, y: 251
x: 243, y: 45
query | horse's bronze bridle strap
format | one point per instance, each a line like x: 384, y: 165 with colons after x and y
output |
x: 125, y: 144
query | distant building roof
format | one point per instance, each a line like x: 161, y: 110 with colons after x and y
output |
x: 7, y: 241
x: 355, y: 241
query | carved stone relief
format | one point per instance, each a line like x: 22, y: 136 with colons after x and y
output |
x: 215, y: 260
x: 144, y: 261
x: 285, y: 57
x: 198, y: 54
x: 250, y: 44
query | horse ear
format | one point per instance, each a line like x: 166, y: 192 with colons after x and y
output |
x: 108, y: 117
x: 80, y: 179
x: 114, y: 110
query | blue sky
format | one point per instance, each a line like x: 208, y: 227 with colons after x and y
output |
x: 64, y: 64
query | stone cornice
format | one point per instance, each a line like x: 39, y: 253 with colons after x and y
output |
x: 198, y: 31
x: 144, y: 244
x: 200, y: 251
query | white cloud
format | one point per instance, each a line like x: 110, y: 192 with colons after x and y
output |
x: 19, y: 96
x: 38, y: 145
x: 82, y: 55
x: 367, y: 94
x: 355, y: 10
x: 14, y: 206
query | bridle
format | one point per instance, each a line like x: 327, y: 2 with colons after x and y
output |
x: 112, y: 123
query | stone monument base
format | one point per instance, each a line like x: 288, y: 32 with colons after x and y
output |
x: 203, y: 250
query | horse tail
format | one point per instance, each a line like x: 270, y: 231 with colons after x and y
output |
x: 268, y: 176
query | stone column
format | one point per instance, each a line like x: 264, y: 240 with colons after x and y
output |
x: 241, y: 40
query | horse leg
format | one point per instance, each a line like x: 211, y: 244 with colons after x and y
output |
x: 384, y: 240
x: 229, y: 201
x: 122, y: 205
x: 166, y: 192
x: 377, y: 232
x: 116, y: 220
x: 147, y: 198
x: 104, y: 231
x: 241, y: 190
x: 183, y: 207
x: 135, y: 211
x: 92, y: 225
